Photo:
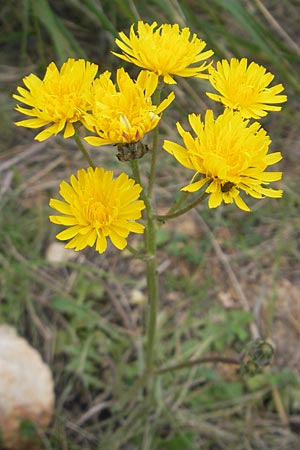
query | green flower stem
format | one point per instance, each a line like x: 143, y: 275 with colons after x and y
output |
x: 156, y: 101
x: 83, y: 150
x: 150, y: 244
x: 152, y: 285
x: 137, y: 177
x: 152, y: 279
x: 135, y: 252
x: 182, y: 211
x: 136, y: 173
x: 197, y: 362
x: 179, y: 202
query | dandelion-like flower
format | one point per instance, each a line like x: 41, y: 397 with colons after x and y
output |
x: 123, y: 116
x: 97, y: 207
x: 227, y: 155
x: 245, y: 88
x: 166, y: 50
x: 59, y: 100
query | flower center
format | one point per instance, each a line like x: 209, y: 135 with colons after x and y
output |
x: 101, y: 214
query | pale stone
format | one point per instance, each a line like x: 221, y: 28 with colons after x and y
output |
x: 56, y: 252
x: 137, y: 297
x: 26, y: 388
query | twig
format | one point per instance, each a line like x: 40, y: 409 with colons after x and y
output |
x: 41, y: 174
x: 279, y: 406
x: 24, y: 154
x: 92, y: 411
x: 122, y: 307
x: 273, y: 22
x: 5, y: 183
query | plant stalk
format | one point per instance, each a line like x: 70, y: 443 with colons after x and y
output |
x: 154, y: 147
x: 152, y: 286
x: 197, y: 362
x: 83, y: 149
x: 151, y: 270
x: 182, y: 211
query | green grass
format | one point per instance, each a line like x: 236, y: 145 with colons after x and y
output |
x: 82, y: 315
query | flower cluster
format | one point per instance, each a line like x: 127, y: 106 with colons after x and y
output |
x: 228, y: 154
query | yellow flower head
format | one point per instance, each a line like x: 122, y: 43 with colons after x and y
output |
x: 95, y: 207
x: 229, y: 156
x: 165, y: 50
x: 245, y: 88
x: 123, y: 116
x: 59, y: 100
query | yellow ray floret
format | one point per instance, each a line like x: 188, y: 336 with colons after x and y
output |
x: 245, y: 88
x: 96, y: 207
x: 166, y: 50
x: 228, y: 156
x: 58, y: 100
x: 123, y: 114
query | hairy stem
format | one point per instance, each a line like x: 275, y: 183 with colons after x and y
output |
x: 151, y: 269
x: 154, y: 148
x: 83, y: 150
x: 196, y: 362
x: 180, y: 212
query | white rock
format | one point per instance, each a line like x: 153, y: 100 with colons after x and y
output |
x: 26, y: 388
x: 56, y: 252
x: 137, y: 297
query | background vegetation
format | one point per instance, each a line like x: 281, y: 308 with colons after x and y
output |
x: 225, y: 274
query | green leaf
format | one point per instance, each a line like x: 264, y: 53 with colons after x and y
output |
x: 65, y: 44
x: 185, y: 440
